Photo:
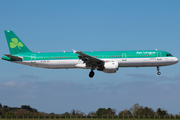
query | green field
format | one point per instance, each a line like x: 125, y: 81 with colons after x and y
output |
x: 88, y: 119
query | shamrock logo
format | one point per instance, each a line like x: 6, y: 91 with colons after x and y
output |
x: 15, y: 43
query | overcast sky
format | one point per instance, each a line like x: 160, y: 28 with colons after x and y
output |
x: 91, y: 25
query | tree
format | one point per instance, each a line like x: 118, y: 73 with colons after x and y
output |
x: 100, y: 111
x: 149, y: 111
x: 135, y: 108
x: 103, y: 111
x: 140, y: 111
x: 5, y: 106
x: 27, y: 107
x: 9, y: 113
x: 65, y: 114
x: 161, y: 112
x: 92, y: 113
x: 112, y: 111
x: 164, y: 112
x: 21, y: 112
x: 73, y: 112
x: 125, y: 112
x: 78, y: 112
x: 52, y: 114
x: 24, y: 110
x: 144, y: 111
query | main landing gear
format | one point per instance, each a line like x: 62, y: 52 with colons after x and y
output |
x: 159, y: 73
x: 91, y: 74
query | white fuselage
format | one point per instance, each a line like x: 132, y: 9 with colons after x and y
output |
x: 125, y: 62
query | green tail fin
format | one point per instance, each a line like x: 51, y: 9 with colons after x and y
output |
x: 16, y: 46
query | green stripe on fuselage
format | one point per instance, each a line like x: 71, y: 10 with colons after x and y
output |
x: 97, y: 54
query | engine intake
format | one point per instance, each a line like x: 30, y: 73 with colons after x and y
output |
x: 110, y: 67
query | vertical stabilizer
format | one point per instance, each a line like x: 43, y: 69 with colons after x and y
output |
x: 15, y: 45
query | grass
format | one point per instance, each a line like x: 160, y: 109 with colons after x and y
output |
x: 88, y: 119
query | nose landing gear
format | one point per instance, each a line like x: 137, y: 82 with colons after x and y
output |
x: 91, y: 74
x: 158, y: 73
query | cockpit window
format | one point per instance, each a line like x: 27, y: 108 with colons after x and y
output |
x: 168, y: 55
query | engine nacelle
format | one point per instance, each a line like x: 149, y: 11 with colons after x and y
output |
x: 110, y: 67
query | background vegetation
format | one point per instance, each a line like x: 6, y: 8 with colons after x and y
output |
x: 135, y: 111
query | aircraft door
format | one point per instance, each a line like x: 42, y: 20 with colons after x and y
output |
x: 33, y: 58
x: 124, y: 57
x: 159, y: 55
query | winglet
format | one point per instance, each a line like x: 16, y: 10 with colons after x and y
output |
x: 74, y: 51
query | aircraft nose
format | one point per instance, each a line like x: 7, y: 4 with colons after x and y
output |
x: 175, y: 59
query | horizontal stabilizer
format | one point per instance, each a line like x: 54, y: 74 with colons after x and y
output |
x: 14, y: 57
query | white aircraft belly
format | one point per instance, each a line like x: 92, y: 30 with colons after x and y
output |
x: 143, y: 62
x: 53, y: 64
x: 62, y: 63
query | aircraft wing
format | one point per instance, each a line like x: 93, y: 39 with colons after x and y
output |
x: 88, y: 59
x: 14, y: 57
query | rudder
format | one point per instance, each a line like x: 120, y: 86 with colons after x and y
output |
x: 15, y: 45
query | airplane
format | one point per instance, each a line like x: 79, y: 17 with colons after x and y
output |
x: 106, y: 61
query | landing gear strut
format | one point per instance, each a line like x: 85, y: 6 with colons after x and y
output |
x: 159, y: 73
x: 91, y: 74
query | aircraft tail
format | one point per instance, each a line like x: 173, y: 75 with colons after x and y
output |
x: 15, y: 45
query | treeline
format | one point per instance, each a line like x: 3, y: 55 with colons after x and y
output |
x: 136, y: 110
x: 24, y: 110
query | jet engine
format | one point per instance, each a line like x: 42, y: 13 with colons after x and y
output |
x: 110, y: 67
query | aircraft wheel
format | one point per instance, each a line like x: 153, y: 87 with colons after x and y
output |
x: 159, y: 73
x: 158, y: 70
x: 91, y: 74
